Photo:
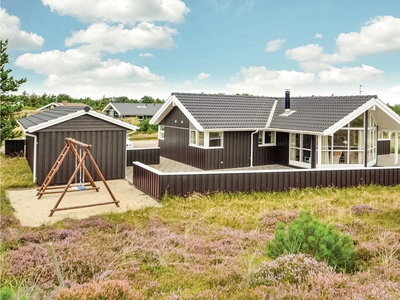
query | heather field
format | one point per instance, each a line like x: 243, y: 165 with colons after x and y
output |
x: 204, y: 247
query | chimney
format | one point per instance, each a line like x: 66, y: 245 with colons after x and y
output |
x: 287, y: 100
x: 64, y: 102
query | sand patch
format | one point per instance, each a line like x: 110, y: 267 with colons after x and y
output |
x: 33, y: 212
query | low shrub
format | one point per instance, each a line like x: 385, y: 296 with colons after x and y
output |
x: 111, y: 289
x: 307, y: 235
x: 291, y: 268
x: 361, y: 209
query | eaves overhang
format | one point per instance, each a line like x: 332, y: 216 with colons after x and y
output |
x: 74, y: 115
x: 108, y: 106
x: 171, y: 102
x: 371, y: 104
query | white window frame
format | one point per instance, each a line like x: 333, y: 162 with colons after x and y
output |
x: 263, y: 143
x: 161, y: 132
x: 382, y: 138
x: 206, y: 139
x: 299, y: 163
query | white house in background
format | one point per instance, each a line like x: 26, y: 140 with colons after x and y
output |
x: 139, y: 110
x: 61, y: 104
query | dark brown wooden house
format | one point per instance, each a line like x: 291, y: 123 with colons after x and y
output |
x: 230, y: 131
x: 45, y: 139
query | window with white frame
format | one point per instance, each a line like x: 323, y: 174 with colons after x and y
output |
x: 161, y: 132
x: 205, y: 139
x: 215, y: 139
x: 384, y: 135
x: 300, y: 148
x: 346, y: 146
x: 266, y: 138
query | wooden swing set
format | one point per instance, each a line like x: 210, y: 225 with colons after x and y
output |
x: 73, y: 145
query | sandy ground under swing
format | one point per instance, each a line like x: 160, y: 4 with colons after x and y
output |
x: 33, y: 212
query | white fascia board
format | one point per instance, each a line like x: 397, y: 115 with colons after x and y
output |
x: 55, y: 121
x: 388, y: 111
x: 341, y: 123
x: 295, y: 131
x: 229, y: 129
x: 162, y: 112
x: 78, y: 114
x: 115, y: 109
x: 167, y: 107
x: 107, y: 107
x: 47, y: 105
x: 271, y: 114
x: 188, y: 114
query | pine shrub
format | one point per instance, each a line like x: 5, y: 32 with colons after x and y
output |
x: 309, y: 236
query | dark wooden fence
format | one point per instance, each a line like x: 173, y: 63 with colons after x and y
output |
x: 156, y: 183
x: 148, y: 156
x: 14, y: 147
x: 383, y: 147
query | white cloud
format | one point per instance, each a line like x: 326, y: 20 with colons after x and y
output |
x: 202, y: 76
x: 318, y: 36
x: 114, y: 39
x: 57, y: 62
x: 147, y: 55
x: 260, y: 80
x: 78, y: 71
x: 349, y: 75
x: 17, y: 38
x: 305, y: 53
x: 274, y: 45
x: 121, y: 11
x: 380, y: 35
x: 395, y: 90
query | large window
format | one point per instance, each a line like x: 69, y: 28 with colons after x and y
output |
x: 205, y: 139
x: 300, y: 148
x: 346, y: 146
x: 266, y: 138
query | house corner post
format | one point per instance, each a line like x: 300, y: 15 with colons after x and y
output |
x: 396, y: 148
x: 313, y: 151
x: 366, y: 139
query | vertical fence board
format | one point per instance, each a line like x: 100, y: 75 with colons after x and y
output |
x: 157, y: 184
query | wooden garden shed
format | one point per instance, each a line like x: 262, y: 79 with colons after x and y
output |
x: 45, y: 139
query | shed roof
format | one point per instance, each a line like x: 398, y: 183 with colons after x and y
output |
x: 133, y: 109
x: 61, y: 114
x: 320, y: 115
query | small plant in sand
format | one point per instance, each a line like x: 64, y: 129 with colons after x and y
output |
x: 308, y: 235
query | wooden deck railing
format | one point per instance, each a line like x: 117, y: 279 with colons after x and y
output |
x: 156, y: 183
x: 148, y: 156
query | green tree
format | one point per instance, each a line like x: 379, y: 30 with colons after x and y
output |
x: 147, y: 99
x: 146, y: 127
x: 396, y: 108
x: 9, y: 104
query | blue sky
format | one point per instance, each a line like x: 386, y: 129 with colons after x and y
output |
x: 96, y: 48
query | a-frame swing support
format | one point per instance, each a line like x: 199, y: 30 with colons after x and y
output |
x: 70, y: 146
